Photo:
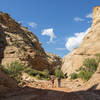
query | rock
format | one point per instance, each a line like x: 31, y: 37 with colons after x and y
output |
x: 88, y: 48
x: 18, y: 43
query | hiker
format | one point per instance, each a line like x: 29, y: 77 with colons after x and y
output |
x: 52, y: 81
x: 59, y: 81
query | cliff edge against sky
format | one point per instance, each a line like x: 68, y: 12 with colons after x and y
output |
x: 88, y: 48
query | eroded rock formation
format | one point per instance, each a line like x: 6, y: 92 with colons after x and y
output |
x: 18, y: 43
x: 88, y: 48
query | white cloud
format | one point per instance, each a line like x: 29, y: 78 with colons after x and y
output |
x: 89, y: 15
x: 78, y: 19
x: 49, y: 32
x: 32, y: 24
x: 74, y: 42
x: 61, y: 49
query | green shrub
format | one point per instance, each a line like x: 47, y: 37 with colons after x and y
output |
x: 15, y: 68
x: 87, y: 69
x: 41, y: 74
x: 85, y: 75
x: 31, y: 71
x: 45, y: 73
x: 90, y: 64
x: 59, y: 73
x: 38, y: 76
x: 74, y: 76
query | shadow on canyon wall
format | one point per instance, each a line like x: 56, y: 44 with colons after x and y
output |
x: 3, y: 43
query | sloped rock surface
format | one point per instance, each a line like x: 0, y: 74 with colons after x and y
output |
x: 18, y: 43
x: 88, y: 48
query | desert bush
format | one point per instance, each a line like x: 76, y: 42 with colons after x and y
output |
x: 44, y: 73
x: 15, y: 68
x: 74, y: 76
x: 38, y: 76
x: 59, y: 73
x: 41, y: 74
x: 85, y: 75
x: 90, y: 64
x: 31, y: 71
x: 87, y: 69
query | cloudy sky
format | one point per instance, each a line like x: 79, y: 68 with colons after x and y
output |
x: 59, y: 24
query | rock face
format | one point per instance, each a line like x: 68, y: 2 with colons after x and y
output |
x: 18, y: 43
x: 88, y: 48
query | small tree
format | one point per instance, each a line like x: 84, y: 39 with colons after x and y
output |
x: 59, y: 73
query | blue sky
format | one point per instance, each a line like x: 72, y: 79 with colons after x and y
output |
x: 59, y: 24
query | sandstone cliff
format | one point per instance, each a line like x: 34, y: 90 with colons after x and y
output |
x: 18, y: 43
x: 88, y: 48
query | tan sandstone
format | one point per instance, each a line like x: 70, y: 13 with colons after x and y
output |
x: 18, y: 43
x: 88, y: 48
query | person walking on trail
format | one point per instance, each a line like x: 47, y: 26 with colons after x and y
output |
x: 52, y: 81
x: 59, y: 81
